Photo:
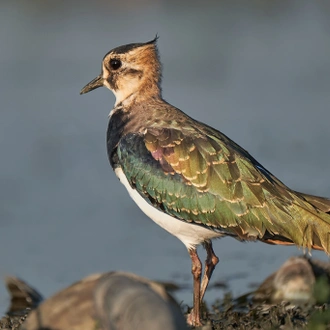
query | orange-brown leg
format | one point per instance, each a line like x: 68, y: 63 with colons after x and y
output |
x: 210, y: 263
x: 196, y: 270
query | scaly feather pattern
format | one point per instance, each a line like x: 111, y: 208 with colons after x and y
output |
x: 201, y: 177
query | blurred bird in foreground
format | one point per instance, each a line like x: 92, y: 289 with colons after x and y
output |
x: 109, y: 301
x: 190, y: 178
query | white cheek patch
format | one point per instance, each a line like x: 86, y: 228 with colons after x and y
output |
x: 125, y: 85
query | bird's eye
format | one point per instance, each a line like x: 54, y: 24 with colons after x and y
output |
x: 115, y: 64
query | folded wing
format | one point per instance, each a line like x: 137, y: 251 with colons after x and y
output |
x: 205, y: 178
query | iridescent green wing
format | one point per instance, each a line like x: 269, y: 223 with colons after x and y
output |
x: 207, y: 179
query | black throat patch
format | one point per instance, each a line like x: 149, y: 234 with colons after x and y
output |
x: 116, y: 126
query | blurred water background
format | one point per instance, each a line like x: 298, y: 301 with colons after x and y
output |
x: 257, y: 70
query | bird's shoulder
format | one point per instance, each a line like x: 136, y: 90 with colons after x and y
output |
x: 202, y: 157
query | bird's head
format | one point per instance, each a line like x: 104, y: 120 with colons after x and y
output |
x: 130, y: 71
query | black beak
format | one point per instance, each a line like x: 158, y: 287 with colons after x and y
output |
x: 95, y: 83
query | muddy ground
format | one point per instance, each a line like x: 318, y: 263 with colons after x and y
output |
x: 225, y: 315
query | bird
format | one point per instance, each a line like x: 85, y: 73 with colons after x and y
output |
x: 299, y: 280
x: 294, y: 282
x: 191, y: 179
x: 106, y: 301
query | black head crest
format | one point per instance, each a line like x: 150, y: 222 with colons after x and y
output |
x: 126, y: 48
x: 153, y: 41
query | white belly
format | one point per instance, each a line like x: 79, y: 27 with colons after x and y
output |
x: 191, y: 235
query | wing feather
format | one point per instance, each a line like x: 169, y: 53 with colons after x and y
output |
x: 209, y: 180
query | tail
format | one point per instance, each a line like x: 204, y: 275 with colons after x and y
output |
x: 23, y: 297
x: 320, y: 203
x: 311, y: 228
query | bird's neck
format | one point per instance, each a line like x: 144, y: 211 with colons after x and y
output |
x: 139, y: 111
x: 139, y: 94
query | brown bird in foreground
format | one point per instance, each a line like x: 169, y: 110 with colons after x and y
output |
x: 108, y: 301
x: 190, y: 178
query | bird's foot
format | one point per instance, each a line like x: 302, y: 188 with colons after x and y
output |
x: 193, y: 320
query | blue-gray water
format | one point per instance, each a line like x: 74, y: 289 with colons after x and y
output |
x: 257, y: 70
